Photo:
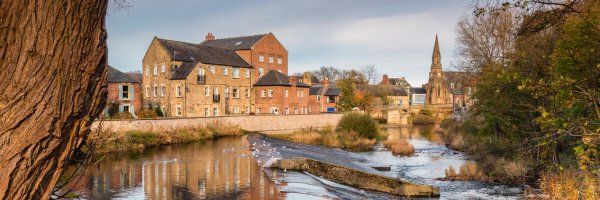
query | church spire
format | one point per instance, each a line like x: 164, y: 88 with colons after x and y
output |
x: 436, y: 57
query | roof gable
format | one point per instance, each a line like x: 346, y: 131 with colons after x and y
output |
x: 183, y: 71
x: 275, y: 78
x: 116, y: 76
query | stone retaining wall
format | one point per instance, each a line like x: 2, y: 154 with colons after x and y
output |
x: 260, y: 123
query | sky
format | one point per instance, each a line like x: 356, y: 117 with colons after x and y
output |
x: 396, y: 36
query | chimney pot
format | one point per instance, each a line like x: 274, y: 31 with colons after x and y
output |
x: 209, y: 37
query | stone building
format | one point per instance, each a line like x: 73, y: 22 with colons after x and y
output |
x: 396, y: 98
x: 437, y: 92
x: 193, y: 80
x: 324, y: 97
x: 124, y: 90
x: 462, y: 86
x: 276, y: 93
x: 395, y: 81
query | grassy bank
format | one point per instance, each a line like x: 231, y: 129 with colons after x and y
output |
x: 328, y: 137
x: 103, y: 142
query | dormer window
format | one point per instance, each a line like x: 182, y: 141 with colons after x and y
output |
x: 239, y: 43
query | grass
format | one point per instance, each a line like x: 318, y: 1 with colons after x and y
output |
x: 568, y: 185
x: 399, y: 147
x: 468, y: 171
x: 110, y: 142
x: 328, y: 137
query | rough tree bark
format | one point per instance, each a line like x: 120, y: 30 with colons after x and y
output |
x: 52, y: 86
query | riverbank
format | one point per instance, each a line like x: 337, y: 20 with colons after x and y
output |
x: 102, y: 141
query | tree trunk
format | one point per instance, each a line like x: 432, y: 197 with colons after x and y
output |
x: 52, y: 86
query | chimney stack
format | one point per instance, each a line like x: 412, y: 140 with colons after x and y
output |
x: 326, y: 81
x: 306, y: 78
x: 209, y: 37
x: 292, y: 80
x: 385, y: 80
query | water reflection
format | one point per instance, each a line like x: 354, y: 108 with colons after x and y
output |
x: 216, y: 169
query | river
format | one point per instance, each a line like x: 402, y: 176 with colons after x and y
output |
x: 225, y: 169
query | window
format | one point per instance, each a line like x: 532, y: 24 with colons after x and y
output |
x: 298, y: 93
x: 318, y: 98
x: 247, y: 73
x: 261, y: 71
x: 270, y: 92
x: 227, y: 93
x: 206, y: 91
x: 206, y: 112
x: 177, y: 110
x: 274, y: 110
x: 215, y: 111
x: 155, y: 70
x: 147, y: 70
x: 147, y: 91
x: 270, y: 58
x: 124, y: 91
x: 178, y: 91
x: 236, y: 93
x: 310, y: 109
x: 125, y: 108
x: 163, y: 90
x: 452, y: 85
x: 301, y: 93
x: 162, y: 68
x: 155, y: 91
x: 201, y: 76
x: 257, y: 110
x: 279, y: 71
x: 247, y: 92
x: 235, y: 73
x: 216, y: 96
x: 239, y: 43
x: 261, y: 58
x: 236, y: 110
x: 225, y: 72
x: 330, y: 99
x: 469, y: 90
x: 263, y: 93
x: 279, y: 60
x: 295, y: 111
x: 212, y: 69
x: 285, y: 93
x: 287, y: 111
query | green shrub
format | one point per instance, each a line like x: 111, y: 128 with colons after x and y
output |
x: 363, y: 124
x: 159, y: 112
x: 147, y: 114
x: 123, y: 115
x: 146, y: 138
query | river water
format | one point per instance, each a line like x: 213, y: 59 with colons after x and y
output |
x: 225, y: 169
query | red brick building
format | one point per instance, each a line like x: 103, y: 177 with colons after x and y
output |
x: 324, y: 97
x: 125, y: 90
x: 277, y: 93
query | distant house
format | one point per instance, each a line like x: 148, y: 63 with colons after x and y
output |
x: 461, y: 86
x: 324, y: 96
x: 395, y: 81
x: 417, y: 96
x: 124, y: 90
x: 276, y: 93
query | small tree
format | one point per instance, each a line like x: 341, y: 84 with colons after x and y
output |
x: 363, y: 124
x: 347, y: 99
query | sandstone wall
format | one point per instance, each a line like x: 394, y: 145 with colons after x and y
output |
x: 260, y: 123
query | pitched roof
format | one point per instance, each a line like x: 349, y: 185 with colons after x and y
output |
x: 183, y: 71
x: 188, y: 52
x: 234, y: 43
x: 326, y: 90
x: 135, y: 76
x: 378, y: 90
x: 116, y: 76
x: 275, y: 78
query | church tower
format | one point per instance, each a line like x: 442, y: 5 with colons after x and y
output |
x: 437, y: 92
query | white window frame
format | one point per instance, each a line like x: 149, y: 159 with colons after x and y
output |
x: 274, y: 110
x: 287, y: 111
x: 122, y: 96
x: 155, y: 70
x: 257, y: 110
x: 163, y: 90
x: 247, y: 92
x: 285, y: 93
x: 177, y: 91
x: 295, y: 111
x: 236, y: 110
x: 301, y: 93
x: 270, y: 58
x: 178, y: 111
x: 270, y: 93
x: 280, y: 60
x: 236, y: 93
x: 162, y: 68
x: 147, y: 91
x: 216, y: 111
x: 235, y: 73
x: 206, y: 112
x: 261, y: 58
x: 263, y: 93
x: 155, y: 91
x: 261, y: 72
x: 212, y: 69
x: 247, y: 73
x: 225, y: 71
x: 147, y: 70
x: 206, y: 91
x: 227, y: 93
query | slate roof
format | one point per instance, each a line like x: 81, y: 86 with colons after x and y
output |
x: 326, y: 90
x: 235, y: 43
x: 418, y: 90
x: 378, y: 90
x: 116, y: 76
x: 188, y: 52
x: 183, y: 71
x: 135, y: 76
x: 275, y: 78
x: 313, y: 79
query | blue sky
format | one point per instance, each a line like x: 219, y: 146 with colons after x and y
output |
x: 396, y: 36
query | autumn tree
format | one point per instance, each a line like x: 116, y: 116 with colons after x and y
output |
x: 53, y: 86
x: 371, y: 74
